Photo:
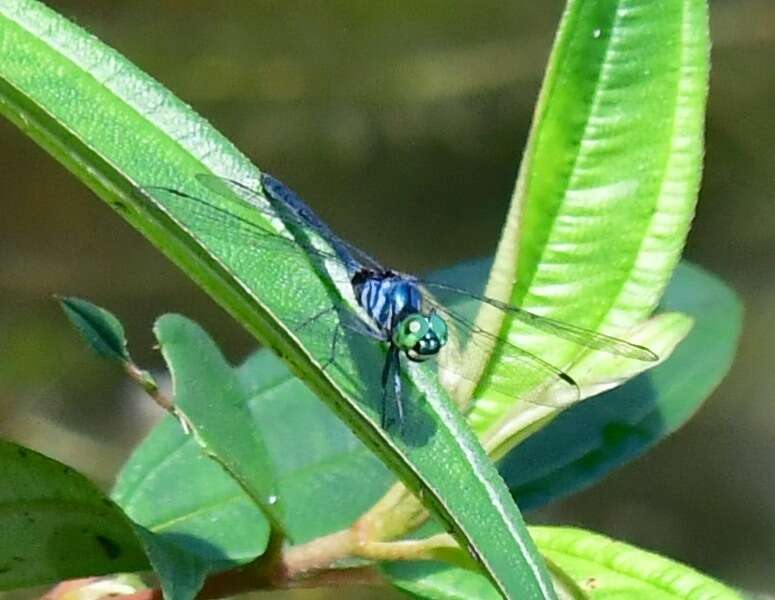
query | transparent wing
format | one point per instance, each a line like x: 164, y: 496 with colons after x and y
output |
x: 515, y: 362
x: 282, y: 202
x: 236, y: 223
x: 566, y: 331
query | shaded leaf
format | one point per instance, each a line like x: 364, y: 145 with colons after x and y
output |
x: 603, y: 433
x: 100, y: 328
x: 172, y: 489
x: 56, y: 524
x: 180, y: 572
x: 326, y: 476
x: 438, y: 581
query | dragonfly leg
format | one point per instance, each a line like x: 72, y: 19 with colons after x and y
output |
x: 397, y: 388
x: 391, y: 378
x: 354, y: 324
x: 387, y: 371
x: 334, y: 339
x: 313, y: 318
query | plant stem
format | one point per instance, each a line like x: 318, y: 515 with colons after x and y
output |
x: 397, y: 513
x: 144, y: 379
x: 319, y: 553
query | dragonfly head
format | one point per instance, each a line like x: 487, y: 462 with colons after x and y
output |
x: 421, y: 336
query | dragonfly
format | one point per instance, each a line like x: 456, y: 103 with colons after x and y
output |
x: 398, y: 309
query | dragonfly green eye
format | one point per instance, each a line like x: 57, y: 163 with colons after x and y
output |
x: 421, y: 336
x: 439, y: 327
x: 410, y: 331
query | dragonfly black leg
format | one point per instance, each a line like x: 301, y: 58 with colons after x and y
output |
x: 387, y: 372
x: 351, y: 322
x: 313, y: 318
x: 397, y: 388
x: 334, y: 339
x: 391, y: 378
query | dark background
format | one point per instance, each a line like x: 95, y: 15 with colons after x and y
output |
x: 392, y: 118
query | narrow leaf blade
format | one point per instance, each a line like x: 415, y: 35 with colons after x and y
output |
x: 604, y: 568
x: 609, y: 179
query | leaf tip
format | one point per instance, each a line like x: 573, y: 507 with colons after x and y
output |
x: 100, y: 328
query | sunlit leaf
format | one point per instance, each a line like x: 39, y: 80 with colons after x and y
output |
x: 608, y: 182
x: 119, y: 131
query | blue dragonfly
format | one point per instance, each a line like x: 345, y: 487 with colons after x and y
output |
x: 399, y: 310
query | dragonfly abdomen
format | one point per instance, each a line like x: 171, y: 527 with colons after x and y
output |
x: 289, y: 200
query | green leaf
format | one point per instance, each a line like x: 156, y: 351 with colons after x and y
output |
x: 597, y: 566
x: 438, y: 581
x: 100, y: 328
x: 661, y: 334
x: 591, y: 439
x: 56, y: 524
x: 173, y: 490
x: 180, y: 572
x: 326, y: 477
x: 115, y: 128
x: 197, y: 496
x: 195, y: 519
x: 605, y: 568
x: 213, y: 401
x: 607, y: 186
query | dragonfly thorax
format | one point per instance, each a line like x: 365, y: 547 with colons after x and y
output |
x: 394, y: 303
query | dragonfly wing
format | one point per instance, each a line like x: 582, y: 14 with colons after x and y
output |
x: 566, y: 331
x: 226, y: 188
x: 515, y: 362
x: 282, y: 202
x: 234, y: 223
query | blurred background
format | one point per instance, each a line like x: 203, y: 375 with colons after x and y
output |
x: 398, y: 114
